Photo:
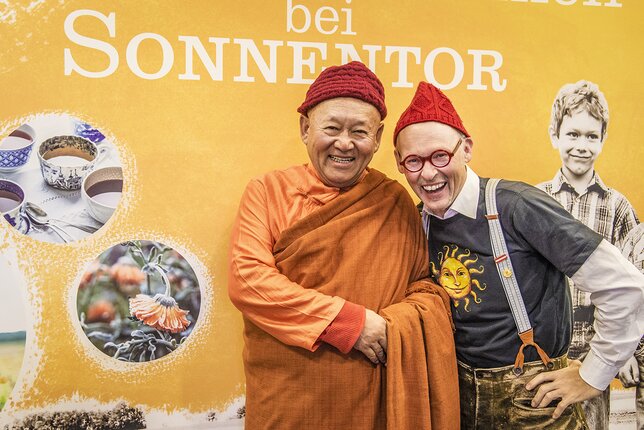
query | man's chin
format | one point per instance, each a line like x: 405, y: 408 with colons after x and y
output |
x: 436, y: 207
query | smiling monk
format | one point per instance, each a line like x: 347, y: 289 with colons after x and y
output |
x: 329, y: 267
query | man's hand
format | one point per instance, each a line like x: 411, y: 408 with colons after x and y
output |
x: 373, y: 338
x: 630, y: 373
x: 565, y: 384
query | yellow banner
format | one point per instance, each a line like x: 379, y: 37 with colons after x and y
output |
x: 195, y: 98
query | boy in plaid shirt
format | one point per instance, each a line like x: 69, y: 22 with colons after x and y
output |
x: 578, y: 131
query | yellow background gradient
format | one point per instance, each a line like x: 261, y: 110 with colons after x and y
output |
x: 190, y: 147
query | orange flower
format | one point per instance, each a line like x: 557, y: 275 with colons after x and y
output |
x: 94, y: 270
x: 100, y: 311
x: 160, y: 312
x: 127, y: 274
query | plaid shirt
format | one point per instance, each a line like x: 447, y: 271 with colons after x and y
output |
x: 608, y: 213
x: 602, y: 209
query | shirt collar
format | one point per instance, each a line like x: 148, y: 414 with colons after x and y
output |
x: 560, y: 181
x: 467, y: 201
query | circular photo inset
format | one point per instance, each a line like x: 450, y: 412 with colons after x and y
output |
x: 138, y: 301
x: 60, y: 178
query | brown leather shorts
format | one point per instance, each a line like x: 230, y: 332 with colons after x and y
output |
x: 497, y: 399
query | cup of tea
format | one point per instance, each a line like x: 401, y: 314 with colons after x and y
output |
x: 16, y: 148
x: 12, y: 205
x: 66, y: 160
x: 101, y: 192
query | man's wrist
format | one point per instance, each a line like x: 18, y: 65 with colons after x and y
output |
x: 596, y: 373
x: 344, y: 330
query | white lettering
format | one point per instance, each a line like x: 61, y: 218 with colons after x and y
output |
x: 299, y: 61
x: 269, y: 72
x: 609, y: 3
x: 319, y: 19
x: 131, y: 55
x: 347, y: 11
x: 459, y: 68
x: 216, y: 71
x: 349, y: 53
x: 289, y: 17
x: 70, y: 65
x: 309, y: 58
x: 402, y: 51
x: 321, y: 15
x: 479, y: 69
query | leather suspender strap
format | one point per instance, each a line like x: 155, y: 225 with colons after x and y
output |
x: 509, y: 280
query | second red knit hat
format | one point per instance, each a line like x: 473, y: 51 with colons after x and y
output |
x: 430, y: 104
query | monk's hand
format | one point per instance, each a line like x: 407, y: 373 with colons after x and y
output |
x: 565, y: 384
x: 373, y: 338
x: 629, y: 375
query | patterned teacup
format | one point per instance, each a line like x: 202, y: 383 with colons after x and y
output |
x: 66, y: 160
x: 16, y: 148
x: 12, y: 205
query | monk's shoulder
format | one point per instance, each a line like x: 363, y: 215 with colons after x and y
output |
x: 393, y: 189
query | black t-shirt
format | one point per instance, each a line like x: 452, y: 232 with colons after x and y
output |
x: 545, y: 244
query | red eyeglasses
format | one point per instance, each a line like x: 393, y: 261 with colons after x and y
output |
x: 439, y: 158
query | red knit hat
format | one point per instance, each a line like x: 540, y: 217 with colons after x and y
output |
x: 429, y: 104
x: 353, y: 79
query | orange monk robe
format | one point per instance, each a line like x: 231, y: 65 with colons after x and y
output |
x: 299, y: 250
x: 279, y: 306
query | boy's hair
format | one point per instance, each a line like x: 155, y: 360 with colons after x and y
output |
x: 582, y: 95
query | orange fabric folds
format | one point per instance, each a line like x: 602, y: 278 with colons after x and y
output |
x: 422, y: 378
x: 366, y: 246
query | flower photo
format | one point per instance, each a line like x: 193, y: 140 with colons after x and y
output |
x: 138, y: 301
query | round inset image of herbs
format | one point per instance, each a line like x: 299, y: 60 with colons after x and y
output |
x: 138, y: 301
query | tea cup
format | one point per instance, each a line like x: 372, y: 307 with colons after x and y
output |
x: 101, y: 192
x: 12, y: 205
x: 66, y: 160
x: 16, y: 148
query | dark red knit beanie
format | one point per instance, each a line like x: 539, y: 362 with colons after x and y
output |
x: 429, y: 104
x: 353, y: 80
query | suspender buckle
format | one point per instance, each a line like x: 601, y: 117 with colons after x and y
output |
x: 527, y: 339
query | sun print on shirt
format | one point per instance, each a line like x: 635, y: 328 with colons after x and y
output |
x: 455, y: 275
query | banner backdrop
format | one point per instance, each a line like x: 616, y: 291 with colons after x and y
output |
x: 186, y: 102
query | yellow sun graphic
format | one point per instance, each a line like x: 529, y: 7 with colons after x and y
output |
x: 455, y: 275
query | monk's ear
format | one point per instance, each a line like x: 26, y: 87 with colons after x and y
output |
x: 305, y: 123
x: 379, y: 136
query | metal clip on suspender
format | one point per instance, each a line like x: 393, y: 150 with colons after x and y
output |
x: 509, y: 280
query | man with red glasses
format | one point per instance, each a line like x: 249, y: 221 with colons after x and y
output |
x: 501, y: 250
